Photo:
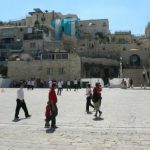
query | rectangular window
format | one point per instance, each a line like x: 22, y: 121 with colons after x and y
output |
x: 58, y: 56
x: 60, y: 71
x: 49, y: 71
x: 44, y: 56
x: 53, y: 56
x: 32, y: 45
x: 48, y: 56
x: 64, y: 56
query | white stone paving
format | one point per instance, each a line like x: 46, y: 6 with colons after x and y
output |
x: 125, y: 123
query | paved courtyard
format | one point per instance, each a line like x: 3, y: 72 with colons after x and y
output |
x: 124, y: 124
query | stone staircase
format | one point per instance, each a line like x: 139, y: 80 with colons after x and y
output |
x: 136, y: 75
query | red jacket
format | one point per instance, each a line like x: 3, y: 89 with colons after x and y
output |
x: 97, y: 90
x: 52, y: 96
x: 48, y: 111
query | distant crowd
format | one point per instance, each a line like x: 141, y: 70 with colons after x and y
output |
x: 38, y: 83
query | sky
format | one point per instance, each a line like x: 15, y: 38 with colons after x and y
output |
x: 123, y: 15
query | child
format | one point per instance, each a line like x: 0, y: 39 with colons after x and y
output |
x: 48, y: 115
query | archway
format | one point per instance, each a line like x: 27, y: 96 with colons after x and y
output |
x: 135, y: 60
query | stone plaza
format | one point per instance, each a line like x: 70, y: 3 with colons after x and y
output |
x: 124, y: 124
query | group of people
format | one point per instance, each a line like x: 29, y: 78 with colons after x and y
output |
x: 30, y: 84
x: 124, y: 84
x: 75, y: 84
x: 51, y: 107
x: 95, y: 96
x: 51, y: 110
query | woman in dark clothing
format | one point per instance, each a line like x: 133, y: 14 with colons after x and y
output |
x: 88, y: 98
x: 97, y: 98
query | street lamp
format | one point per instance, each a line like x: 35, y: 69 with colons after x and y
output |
x: 121, y: 73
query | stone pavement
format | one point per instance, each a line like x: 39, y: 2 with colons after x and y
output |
x: 124, y: 124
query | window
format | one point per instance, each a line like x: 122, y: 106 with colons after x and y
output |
x: 64, y: 56
x: 60, y: 71
x: 53, y: 56
x: 135, y: 60
x: 124, y: 48
x: 104, y: 24
x: 49, y: 71
x: 43, y: 19
x: 58, y: 56
x: 21, y: 29
x: 48, y: 56
x: 32, y: 45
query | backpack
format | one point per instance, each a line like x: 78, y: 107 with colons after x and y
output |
x: 96, y: 97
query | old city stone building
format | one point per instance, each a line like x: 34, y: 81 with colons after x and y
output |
x: 60, y: 65
x: 51, y: 45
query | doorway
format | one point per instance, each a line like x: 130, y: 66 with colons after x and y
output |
x: 106, y: 76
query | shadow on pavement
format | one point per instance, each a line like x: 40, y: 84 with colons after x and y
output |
x: 17, y: 120
x: 98, y: 119
x: 51, y: 130
x: 89, y: 112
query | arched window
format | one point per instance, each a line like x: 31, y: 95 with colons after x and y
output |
x: 134, y: 60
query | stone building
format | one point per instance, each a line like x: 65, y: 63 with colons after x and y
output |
x: 11, y: 39
x: 74, y: 49
x: 122, y: 37
x: 147, y: 30
x: 56, y: 66
x: 91, y: 27
x: 36, y: 18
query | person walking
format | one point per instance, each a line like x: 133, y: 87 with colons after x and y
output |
x: 131, y: 83
x: 75, y: 84
x: 52, y: 107
x: 48, y: 115
x: 88, y: 98
x: 49, y: 83
x: 32, y: 84
x: 68, y: 85
x: 21, y: 103
x: 59, y: 84
x: 97, y: 98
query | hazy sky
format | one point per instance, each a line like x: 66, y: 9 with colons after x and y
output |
x: 123, y: 15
